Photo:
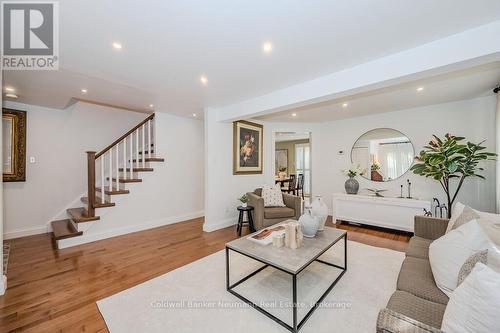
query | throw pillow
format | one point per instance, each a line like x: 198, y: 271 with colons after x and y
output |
x: 481, y: 256
x: 272, y: 196
x: 460, y: 215
x: 473, y: 306
x: 491, y: 228
x: 448, y: 253
x: 494, y: 257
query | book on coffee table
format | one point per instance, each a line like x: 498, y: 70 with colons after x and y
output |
x: 265, y: 236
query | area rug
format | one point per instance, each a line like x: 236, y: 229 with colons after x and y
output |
x: 193, y: 298
x: 6, y: 254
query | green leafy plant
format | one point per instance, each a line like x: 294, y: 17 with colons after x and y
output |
x: 243, y: 198
x: 282, y: 169
x: 353, y: 171
x: 375, y: 167
x: 449, y: 159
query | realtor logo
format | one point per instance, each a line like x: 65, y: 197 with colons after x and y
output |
x: 30, y: 36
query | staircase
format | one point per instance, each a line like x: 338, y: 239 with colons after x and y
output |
x: 118, y: 164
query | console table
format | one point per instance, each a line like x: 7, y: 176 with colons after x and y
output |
x: 393, y: 213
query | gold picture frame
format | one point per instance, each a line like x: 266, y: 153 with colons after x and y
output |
x: 14, y: 145
x: 248, y: 152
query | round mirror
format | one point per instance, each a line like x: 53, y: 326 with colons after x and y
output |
x: 383, y: 153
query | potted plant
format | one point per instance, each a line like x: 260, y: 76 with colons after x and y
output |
x: 351, y: 184
x: 282, y: 172
x: 244, y: 200
x: 449, y: 160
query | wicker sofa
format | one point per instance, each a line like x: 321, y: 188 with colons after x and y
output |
x: 417, y: 305
x: 267, y: 216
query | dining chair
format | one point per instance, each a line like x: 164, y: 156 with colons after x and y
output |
x: 291, y: 188
x: 300, y: 185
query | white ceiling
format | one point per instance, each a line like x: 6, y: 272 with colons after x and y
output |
x: 460, y: 85
x: 167, y: 45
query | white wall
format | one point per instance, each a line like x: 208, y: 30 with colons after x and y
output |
x: 58, y: 140
x: 474, y: 119
x: 222, y: 187
x: 172, y: 193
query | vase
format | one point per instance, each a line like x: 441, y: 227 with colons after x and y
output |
x: 309, y: 223
x: 244, y: 204
x: 351, y: 186
x: 319, y: 209
x: 281, y: 175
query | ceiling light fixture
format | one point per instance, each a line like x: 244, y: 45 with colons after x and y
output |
x: 294, y: 115
x: 420, y: 89
x: 194, y: 115
x: 10, y: 89
x: 267, y: 47
x: 84, y: 91
x: 11, y: 96
x: 345, y: 105
x: 204, y: 80
x: 117, y: 46
x: 151, y: 105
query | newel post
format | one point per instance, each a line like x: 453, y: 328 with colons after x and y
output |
x: 91, y: 182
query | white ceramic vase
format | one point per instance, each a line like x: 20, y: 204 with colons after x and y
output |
x: 244, y: 204
x: 319, y: 209
x: 309, y: 223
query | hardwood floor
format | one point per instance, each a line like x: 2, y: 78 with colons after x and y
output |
x: 56, y: 291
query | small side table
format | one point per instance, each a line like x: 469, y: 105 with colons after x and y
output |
x: 242, y: 210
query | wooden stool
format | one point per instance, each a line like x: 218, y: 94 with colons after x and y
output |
x: 242, y: 210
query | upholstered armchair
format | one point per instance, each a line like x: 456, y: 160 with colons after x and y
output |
x: 266, y: 216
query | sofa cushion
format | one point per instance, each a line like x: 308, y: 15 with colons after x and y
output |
x: 417, y: 308
x: 416, y: 278
x: 418, y: 247
x: 278, y: 212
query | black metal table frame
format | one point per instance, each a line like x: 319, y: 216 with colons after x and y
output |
x: 296, y: 325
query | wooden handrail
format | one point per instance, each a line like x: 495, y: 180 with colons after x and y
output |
x: 120, y: 139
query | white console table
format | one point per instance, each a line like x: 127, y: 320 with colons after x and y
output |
x: 393, y: 213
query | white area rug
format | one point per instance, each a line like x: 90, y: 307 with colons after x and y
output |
x: 193, y: 298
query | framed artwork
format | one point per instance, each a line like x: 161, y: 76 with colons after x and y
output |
x: 14, y: 145
x: 247, y: 148
x: 281, y: 159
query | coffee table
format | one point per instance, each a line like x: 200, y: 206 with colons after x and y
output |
x: 289, y: 261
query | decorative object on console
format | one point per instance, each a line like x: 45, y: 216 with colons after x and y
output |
x: 351, y: 184
x: 319, y: 209
x: 14, y: 145
x: 376, y: 192
x: 282, y: 173
x: 309, y: 223
x: 247, y: 147
x: 409, y: 189
x: 293, y: 235
x: 244, y: 200
x: 447, y: 159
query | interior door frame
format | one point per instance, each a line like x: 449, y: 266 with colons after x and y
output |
x: 311, y: 152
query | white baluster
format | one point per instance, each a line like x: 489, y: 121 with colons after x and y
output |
x: 149, y: 134
x: 137, y: 146
x: 102, y: 178
x: 144, y: 148
x: 131, y: 154
x: 110, y: 171
x: 116, y: 167
x: 125, y: 158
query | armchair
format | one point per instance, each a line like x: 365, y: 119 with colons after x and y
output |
x: 267, y: 216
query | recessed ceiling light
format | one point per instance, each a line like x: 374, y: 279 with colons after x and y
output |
x: 420, y: 88
x: 294, y: 115
x: 117, y: 46
x: 10, y: 89
x: 204, y: 80
x: 11, y: 96
x: 267, y: 47
x: 345, y: 105
x: 84, y: 91
x: 151, y: 105
x: 194, y: 114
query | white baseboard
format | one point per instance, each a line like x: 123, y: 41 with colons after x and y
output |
x: 221, y: 225
x: 25, y: 232
x: 89, y: 237
x: 3, y: 284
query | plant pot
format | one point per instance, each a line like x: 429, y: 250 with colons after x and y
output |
x: 351, y: 186
x: 281, y: 175
x: 309, y: 223
x: 319, y: 209
x: 244, y: 204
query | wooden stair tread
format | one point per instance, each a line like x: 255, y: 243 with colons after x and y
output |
x: 98, y: 203
x: 126, y: 180
x: 150, y: 159
x: 137, y: 169
x: 114, y: 191
x: 64, y: 229
x: 79, y: 215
